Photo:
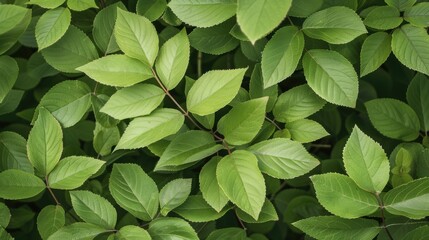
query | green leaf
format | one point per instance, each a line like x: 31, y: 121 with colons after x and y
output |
x: 187, y: 149
x: 419, y: 100
x: 281, y: 55
x: 8, y: 74
x: 228, y: 233
x: 105, y: 139
x: 332, y: 227
x: 5, y: 213
x: 283, y: 158
x: 98, y: 101
x: 73, y: 50
x: 383, y: 18
x: 374, y: 52
x: 366, y: 162
x: 243, y: 122
x: 258, y: 18
x: 134, y: 191
x: 131, y: 232
x: 51, y: 26
x: 209, y: 185
x: 146, y: 130
x: 45, y: 143
x: 409, y: 200
x: 174, y: 194
x: 11, y: 16
x: 136, y: 36
x: 306, y: 130
x: 335, y: 25
x: 17, y: 184
x: 50, y: 219
x: 94, y: 209
x: 303, y: 9
x: 11, y: 101
x: 409, y: 44
x: 151, y: 9
x: 341, y: 196
x: 331, y: 76
x: 214, y: 90
x: 196, y: 209
x: 257, y: 90
x: 401, y: 4
x: 242, y: 182
x: 81, y: 5
x: 50, y: 4
x: 419, y: 233
x: 134, y: 101
x: 268, y: 213
x: 418, y: 15
x: 77, y: 231
x: 71, y: 172
x: 393, y: 118
x: 203, y: 13
x: 5, y: 235
x: 13, y: 149
x: 171, y: 228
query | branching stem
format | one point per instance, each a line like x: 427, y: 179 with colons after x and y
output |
x: 383, y: 218
x: 51, y: 192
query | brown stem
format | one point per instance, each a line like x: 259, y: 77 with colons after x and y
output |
x: 239, y: 221
x: 51, y: 192
x: 383, y: 218
x: 272, y: 122
x: 200, y: 63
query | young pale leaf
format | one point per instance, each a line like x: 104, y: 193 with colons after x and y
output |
x: 306, y: 130
x: 335, y: 25
x: 187, y: 149
x: 146, y: 130
x: 243, y: 122
x: 17, y: 184
x: 81, y: 5
x: 409, y: 200
x: 51, y: 26
x: 331, y: 76
x: 171, y: 228
x: 258, y: 18
x: 131, y: 232
x: 214, y: 90
x: 401, y: 4
x: 366, y: 162
x: 136, y: 36
x: 383, y: 18
x: 73, y: 50
x: 134, y: 191
x: 268, y: 213
x: 209, y: 185
x: 393, y: 118
x: 409, y: 44
x: 134, y: 101
x: 196, y: 209
x: 242, y: 182
x: 418, y: 15
x: 173, y: 60
x: 78, y: 231
x: 151, y: 9
x: 375, y: 50
x: 50, y: 219
x: 203, y: 13
x: 281, y: 55
x: 94, y: 209
x: 5, y: 215
x: 71, y: 172
x: 50, y: 4
x: 228, y: 233
x: 13, y: 149
x: 419, y: 233
x: 283, y: 158
x: 174, y: 194
x: 105, y: 139
x: 45, y: 143
x: 419, y: 100
x: 332, y: 227
x: 8, y: 74
x: 117, y: 70
x: 341, y: 196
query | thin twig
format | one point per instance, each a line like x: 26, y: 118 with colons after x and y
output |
x: 320, y: 145
x: 51, y: 192
x: 274, y: 194
x: 239, y: 221
x: 200, y: 64
x: 272, y: 122
x: 383, y: 218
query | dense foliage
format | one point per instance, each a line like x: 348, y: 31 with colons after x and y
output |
x: 214, y: 119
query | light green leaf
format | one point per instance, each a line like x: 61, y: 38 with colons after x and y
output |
x: 174, y: 194
x: 71, y: 172
x: 401, y: 4
x: 45, y: 143
x: 81, y: 5
x: 13, y: 149
x: 50, y: 4
x: 5, y: 215
x: 136, y: 36
x: 383, y: 18
x: 336, y: 25
x: 228, y: 233
x: 134, y: 101
x: 8, y: 74
x: 374, y: 52
x: 243, y: 122
x: 131, y: 232
x: 187, y: 149
x: 331, y: 76
x: 409, y: 200
x: 78, y: 231
x: 418, y: 15
x: 94, y: 209
x: 214, y: 90
x: 171, y: 228
x: 341, y: 196
x: 73, y: 50
x: 258, y: 18
x: 11, y: 16
x: 17, y: 184
x: 283, y: 158
x: 419, y: 233
x: 366, y: 162
x: 134, y: 191
x: 50, y: 219
x: 104, y: 23
x: 105, y: 139
x: 51, y: 26
x: 242, y: 182
x: 203, y: 13
x: 409, y: 44
x: 332, y: 227
x: 306, y: 130
x: 196, y: 209
x: 419, y: 100
x: 151, y: 9
x: 209, y: 185
x: 393, y: 118
x: 173, y: 59
x: 268, y: 213
x: 117, y: 70
x: 146, y: 130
